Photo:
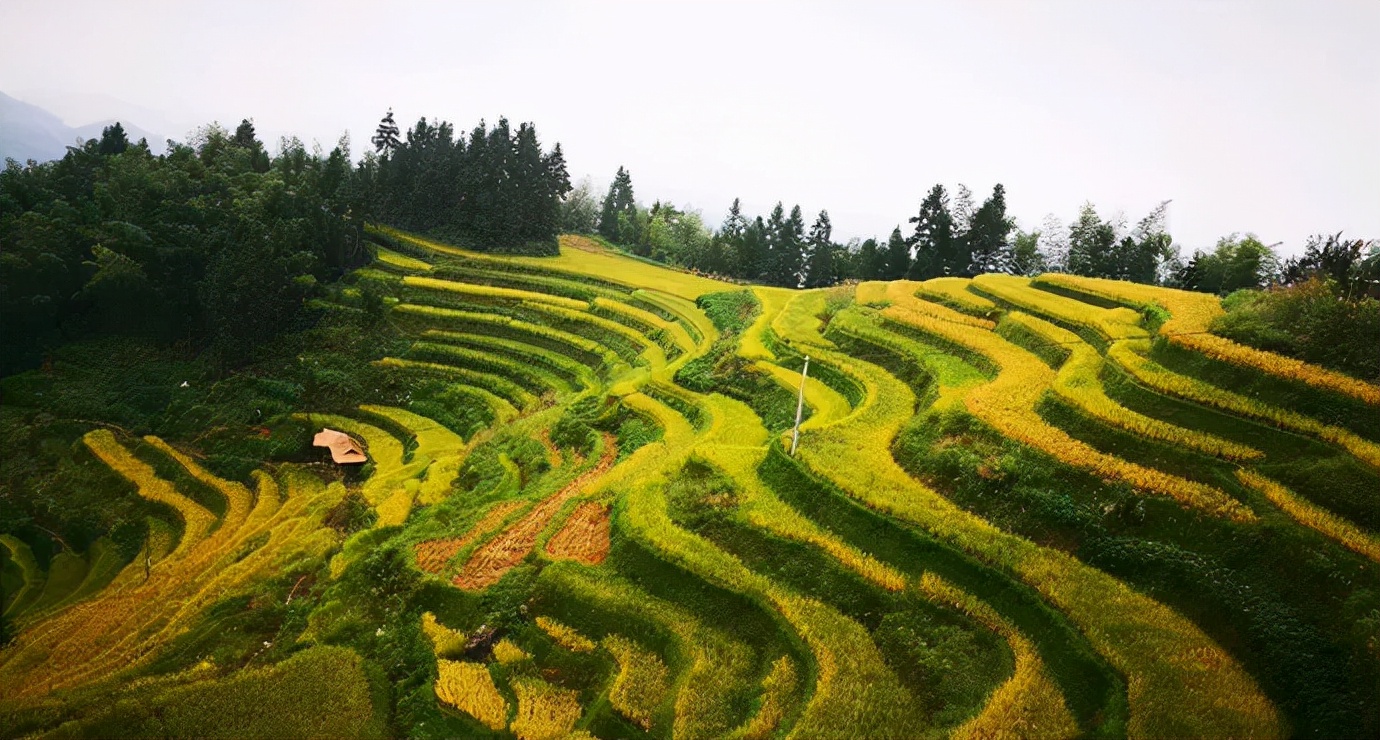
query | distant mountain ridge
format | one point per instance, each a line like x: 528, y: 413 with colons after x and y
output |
x: 30, y: 132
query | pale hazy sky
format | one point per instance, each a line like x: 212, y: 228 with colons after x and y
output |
x: 1252, y: 116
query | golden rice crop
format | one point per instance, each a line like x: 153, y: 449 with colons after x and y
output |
x: 565, y: 636
x: 238, y: 499
x: 1191, y: 316
x: 402, y: 261
x: 1171, y: 690
x: 198, y: 520
x: 1029, y: 704
x: 641, y: 683
x: 799, y: 319
x: 489, y: 291
x: 506, y: 651
x: 544, y: 712
x: 903, y: 292
x: 122, y: 626
x: 1127, y: 356
x: 444, y: 640
x: 778, y: 690
x: 826, y: 404
x: 1111, y: 323
x: 954, y: 293
x: 1008, y: 403
x: 469, y: 688
x: 393, y: 510
x: 772, y: 300
x: 1078, y: 382
x: 1313, y: 516
x: 852, y: 679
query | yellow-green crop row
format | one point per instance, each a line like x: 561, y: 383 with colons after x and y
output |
x: 238, y: 500
x: 953, y: 292
x: 686, y: 311
x: 1313, y: 516
x: 600, y: 263
x: 1179, y: 682
x: 469, y: 688
x: 503, y: 395
x: 23, y: 557
x: 488, y: 291
x: 778, y: 692
x: 544, y: 712
x: 826, y: 404
x: 534, y: 380
x: 1191, y: 316
x: 1127, y: 355
x: 903, y: 292
x: 123, y: 625
x: 853, y: 681
x: 1077, y: 382
x: 799, y: 320
x: 1110, y: 323
x: 402, y: 261
x: 772, y: 301
x: 1029, y: 704
x: 613, y: 327
x: 444, y: 640
x: 197, y: 519
x: 565, y: 636
x: 641, y: 683
x: 507, y: 652
x: 520, y: 352
x: 719, y: 666
x: 505, y: 325
x: 1009, y: 401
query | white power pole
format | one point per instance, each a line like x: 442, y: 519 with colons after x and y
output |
x: 799, y: 405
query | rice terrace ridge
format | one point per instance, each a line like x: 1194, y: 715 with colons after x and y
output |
x: 344, y: 421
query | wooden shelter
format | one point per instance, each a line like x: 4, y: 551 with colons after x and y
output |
x: 344, y: 449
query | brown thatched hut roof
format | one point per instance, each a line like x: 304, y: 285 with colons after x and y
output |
x: 344, y: 450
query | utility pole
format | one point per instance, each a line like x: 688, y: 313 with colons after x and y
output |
x: 799, y: 406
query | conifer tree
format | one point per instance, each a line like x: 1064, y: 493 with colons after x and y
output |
x: 988, y: 236
x: 819, y: 260
x: 896, y: 261
x: 773, y: 261
x: 870, y: 261
x: 936, y: 252
x: 385, y: 138
x: 618, y: 203
x: 1090, y: 245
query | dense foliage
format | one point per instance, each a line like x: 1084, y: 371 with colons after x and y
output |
x: 1310, y: 320
x: 214, y: 243
x: 495, y: 190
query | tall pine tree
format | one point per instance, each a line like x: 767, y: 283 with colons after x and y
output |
x: 1091, y: 242
x: 618, y: 202
x: 819, y: 259
x: 896, y: 261
x: 988, y: 237
x: 936, y: 252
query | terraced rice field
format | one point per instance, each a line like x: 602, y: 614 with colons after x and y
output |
x: 1016, y: 510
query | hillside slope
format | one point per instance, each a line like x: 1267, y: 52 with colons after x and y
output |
x: 1017, y: 506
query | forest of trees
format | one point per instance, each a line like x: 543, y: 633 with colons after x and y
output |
x: 213, y: 244
x: 954, y: 236
x: 218, y: 245
x: 495, y: 189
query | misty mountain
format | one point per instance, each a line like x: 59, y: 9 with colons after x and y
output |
x: 30, y: 132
